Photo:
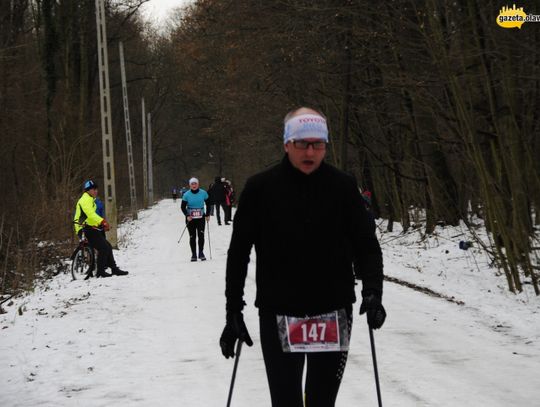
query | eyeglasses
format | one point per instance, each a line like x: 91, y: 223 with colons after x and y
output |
x: 304, y: 145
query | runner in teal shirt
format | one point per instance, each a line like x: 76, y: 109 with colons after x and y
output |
x: 193, y: 206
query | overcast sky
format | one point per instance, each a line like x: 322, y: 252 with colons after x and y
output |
x: 158, y: 10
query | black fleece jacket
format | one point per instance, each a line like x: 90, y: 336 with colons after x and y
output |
x: 307, y: 230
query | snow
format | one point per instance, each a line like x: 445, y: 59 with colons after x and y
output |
x: 151, y: 338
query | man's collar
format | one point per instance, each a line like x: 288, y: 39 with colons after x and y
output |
x: 296, y: 172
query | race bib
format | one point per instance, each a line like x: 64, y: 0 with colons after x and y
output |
x: 320, y: 333
x: 196, y: 213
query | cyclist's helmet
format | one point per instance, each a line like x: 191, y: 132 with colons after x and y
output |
x: 89, y: 185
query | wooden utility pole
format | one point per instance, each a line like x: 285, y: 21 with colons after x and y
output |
x: 145, y: 157
x: 150, y: 166
x: 106, y: 124
x: 132, y: 187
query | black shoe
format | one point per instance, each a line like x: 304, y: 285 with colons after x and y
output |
x: 193, y: 258
x: 118, y: 272
x: 202, y: 256
x: 227, y: 223
x: 219, y: 223
x: 103, y: 274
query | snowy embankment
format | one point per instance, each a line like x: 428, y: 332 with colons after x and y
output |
x: 151, y: 338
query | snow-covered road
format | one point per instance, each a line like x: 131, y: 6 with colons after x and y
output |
x: 151, y: 339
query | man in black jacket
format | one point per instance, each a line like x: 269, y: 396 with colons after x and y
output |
x: 308, y: 225
x: 217, y: 195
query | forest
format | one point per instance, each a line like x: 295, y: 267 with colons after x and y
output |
x: 431, y: 105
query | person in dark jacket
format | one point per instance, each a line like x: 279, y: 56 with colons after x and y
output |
x: 366, y: 200
x: 217, y: 194
x: 312, y: 239
x: 229, y: 200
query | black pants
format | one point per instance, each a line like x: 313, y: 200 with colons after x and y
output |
x: 228, y: 213
x: 224, y: 206
x: 196, y: 230
x: 324, y: 370
x: 105, y: 258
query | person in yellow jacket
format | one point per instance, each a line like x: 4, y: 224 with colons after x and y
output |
x: 93, y: 225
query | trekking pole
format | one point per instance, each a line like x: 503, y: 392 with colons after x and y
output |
x: 236, y: 359
x: 372, y: 340
x: 209, y: 242
x: 183, y: 231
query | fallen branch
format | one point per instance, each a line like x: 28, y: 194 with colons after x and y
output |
x: 423, y: 290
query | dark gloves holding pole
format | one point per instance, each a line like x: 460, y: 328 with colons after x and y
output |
x: 371, y: 304
x: 235, y: 329
x: 105, y: 225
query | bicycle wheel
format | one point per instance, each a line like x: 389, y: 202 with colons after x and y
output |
x: 83, y: 262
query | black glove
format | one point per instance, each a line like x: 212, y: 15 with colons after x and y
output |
x: 234, y: 330
x: 376, y: 314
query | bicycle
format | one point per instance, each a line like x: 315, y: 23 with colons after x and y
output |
x: 82, y: 259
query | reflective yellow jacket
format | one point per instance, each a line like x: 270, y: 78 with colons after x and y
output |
x: 85, y: 212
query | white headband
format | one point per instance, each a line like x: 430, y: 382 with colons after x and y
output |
x: 305, y: 126
x: 193, y: 180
